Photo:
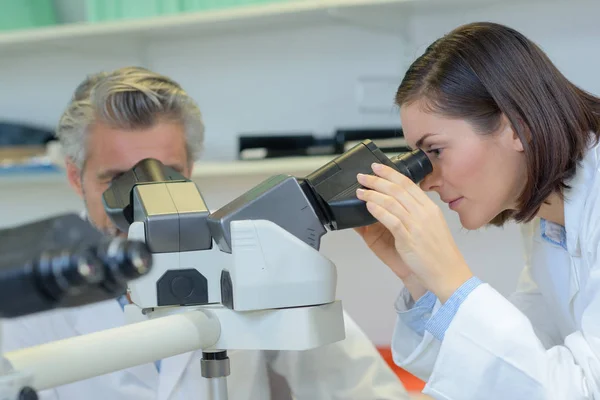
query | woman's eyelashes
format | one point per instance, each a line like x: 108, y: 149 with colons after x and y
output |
x: 435, y: 152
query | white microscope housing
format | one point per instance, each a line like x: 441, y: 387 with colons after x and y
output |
x: 261, y: 273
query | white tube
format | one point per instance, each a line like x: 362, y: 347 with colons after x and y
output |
x: 218, y: 388
x: 82, y: 357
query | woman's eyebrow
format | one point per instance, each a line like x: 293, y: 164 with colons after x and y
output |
x: 425, y: 136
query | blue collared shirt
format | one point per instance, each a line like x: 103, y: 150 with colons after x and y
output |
x: 553, y: 233
x: 420, y: 317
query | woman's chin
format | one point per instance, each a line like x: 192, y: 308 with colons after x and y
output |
x: 470, y: 221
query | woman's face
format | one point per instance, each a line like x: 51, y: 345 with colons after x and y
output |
x: 477, y: 175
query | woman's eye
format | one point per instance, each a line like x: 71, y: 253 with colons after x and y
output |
x: 435, y: 152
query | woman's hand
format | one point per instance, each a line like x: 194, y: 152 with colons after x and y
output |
x: 420, y: 234
x: 381, y: 242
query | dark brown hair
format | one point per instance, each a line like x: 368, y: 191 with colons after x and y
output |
x: 481, y: 71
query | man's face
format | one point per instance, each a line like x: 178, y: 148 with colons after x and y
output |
x: 112, y: 151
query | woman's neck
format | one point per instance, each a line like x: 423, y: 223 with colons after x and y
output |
x: 553, y: 210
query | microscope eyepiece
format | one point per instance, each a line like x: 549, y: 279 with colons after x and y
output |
x: 64, y: 262
x: 415, y: 165
x: 334, y: 185
x: 88, y: 274
x: 125, y: 259
x: 67, y: 273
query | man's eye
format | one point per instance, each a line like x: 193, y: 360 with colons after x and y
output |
x: 115, y: 177
x: 107, y: 180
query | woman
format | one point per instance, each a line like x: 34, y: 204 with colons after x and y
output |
x: 510, y: 138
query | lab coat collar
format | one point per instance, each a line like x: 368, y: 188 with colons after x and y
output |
x: 98, y: 316
x: 575, y: 199
x: 172, y: 370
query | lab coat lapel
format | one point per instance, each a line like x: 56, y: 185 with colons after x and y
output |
x: 171, y: 372
x: 576, y: 199
x: 574, y: 208
x: 107, y: 315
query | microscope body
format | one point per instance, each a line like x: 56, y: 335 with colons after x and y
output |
x: 260, y: 251
x: 266, y: 266
x: 170, y: 216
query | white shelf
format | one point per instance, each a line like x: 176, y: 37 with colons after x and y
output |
x: 32, y: 178
x: 299, y: 166
x: 202, y: 169
x: 240, y: 19
x: 378, y: 14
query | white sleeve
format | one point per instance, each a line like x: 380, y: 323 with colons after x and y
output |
x: 530, y: 302
x: 491, y: 351
x: 418, y: 354
x: 411, y: 351
x: 349, y: 369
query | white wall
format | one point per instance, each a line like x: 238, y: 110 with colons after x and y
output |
x: 568, y: 33
x: 296, y: 80
x: 277, y: 81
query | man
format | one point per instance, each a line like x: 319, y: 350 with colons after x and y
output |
x: 113, y: 121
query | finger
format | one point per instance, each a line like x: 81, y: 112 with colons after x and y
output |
x: 361, y: 230
x: 398, y: 192
x: 390, y: 221
x: 385, y: 201
x: 396, y: 177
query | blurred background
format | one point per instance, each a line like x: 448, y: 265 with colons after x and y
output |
x: 283, y: 86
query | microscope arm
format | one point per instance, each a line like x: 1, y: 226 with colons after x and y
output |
x: 170, y: 332
x: 82, y: 357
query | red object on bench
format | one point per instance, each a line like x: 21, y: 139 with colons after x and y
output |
x: 410, y: 382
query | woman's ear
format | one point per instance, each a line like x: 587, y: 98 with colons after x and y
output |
x: 512, y: 135
x: 517, y: 142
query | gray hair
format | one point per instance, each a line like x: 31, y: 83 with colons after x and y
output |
x: 127, y: 98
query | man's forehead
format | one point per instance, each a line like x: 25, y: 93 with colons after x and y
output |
x: 113, y: 170
x: 163, y: 139
x: 114, y: 151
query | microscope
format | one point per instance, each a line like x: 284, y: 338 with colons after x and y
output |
x: 246, y: 276
x: 254, y: 263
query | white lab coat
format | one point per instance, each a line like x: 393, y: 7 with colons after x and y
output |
x: 350, y: 369
x: 542, y: 344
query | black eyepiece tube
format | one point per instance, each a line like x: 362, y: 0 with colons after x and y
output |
x: 415, y: 165
x: 63, y: 261
x: 333, y: 186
